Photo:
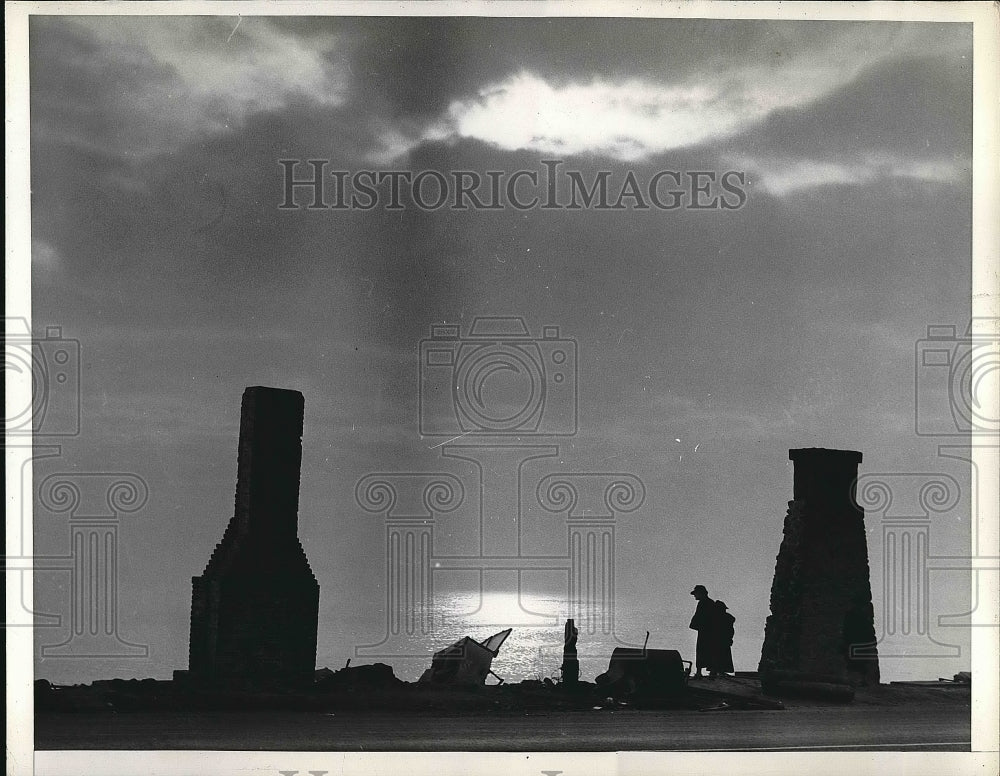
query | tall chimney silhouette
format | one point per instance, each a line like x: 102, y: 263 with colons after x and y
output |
x: 821, y: 626
x: 254, y: 610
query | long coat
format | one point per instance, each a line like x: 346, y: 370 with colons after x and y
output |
x: 724, y: 630
x: 702, y: 622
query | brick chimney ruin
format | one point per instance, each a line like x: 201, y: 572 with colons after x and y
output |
x: 254, y: 610
x: 821, y: 626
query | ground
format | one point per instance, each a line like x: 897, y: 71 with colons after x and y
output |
x: 844, y: 728
x: 888, y: 718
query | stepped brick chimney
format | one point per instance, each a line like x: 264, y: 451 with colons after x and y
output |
x: 821, y: 626
x: 254, y: 610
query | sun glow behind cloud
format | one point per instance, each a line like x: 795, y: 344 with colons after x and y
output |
x: 625, y: 120
x: 633, y: 119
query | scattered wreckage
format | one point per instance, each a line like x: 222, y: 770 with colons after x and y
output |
x: 467, y: 661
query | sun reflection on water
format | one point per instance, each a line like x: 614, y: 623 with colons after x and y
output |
x: 534, y: 649
x: 535, y: 646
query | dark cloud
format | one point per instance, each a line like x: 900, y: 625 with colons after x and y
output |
x: 420, y: 65
x: 918, y: 107
x: 82, y: 97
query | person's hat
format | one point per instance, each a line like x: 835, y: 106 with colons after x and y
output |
x: 721, y: 605
x: 699, y: 587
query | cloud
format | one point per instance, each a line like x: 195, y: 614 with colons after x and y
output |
x: 137, y: 86
x: 783, y: 176
x: 627, y: 121
x: 905, y: 120
x: 634, y: 118
x: 919, y: 105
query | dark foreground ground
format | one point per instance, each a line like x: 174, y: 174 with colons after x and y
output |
x: 819, y: 729
x: 887, y: 718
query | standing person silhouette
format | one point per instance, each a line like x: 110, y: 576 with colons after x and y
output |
x: 570, y: 664
x: 723, y: 631
x: 703, y: 619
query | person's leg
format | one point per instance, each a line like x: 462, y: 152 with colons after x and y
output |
x: 701, y: 655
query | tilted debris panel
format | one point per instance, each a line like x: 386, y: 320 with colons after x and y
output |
x: 467, y: 661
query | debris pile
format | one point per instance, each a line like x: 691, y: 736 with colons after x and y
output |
x: 377, y: 676
x: 644, y: 672
x: 466, y: 662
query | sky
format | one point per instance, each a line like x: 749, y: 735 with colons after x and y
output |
x: 708, y: 342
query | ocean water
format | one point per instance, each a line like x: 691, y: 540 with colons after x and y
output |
x: 534, y: 648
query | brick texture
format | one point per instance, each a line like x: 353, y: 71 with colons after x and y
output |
x: 821, y: 625
x: 255, y: 608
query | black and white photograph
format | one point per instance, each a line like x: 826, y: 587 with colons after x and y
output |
x: 524, y: 388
